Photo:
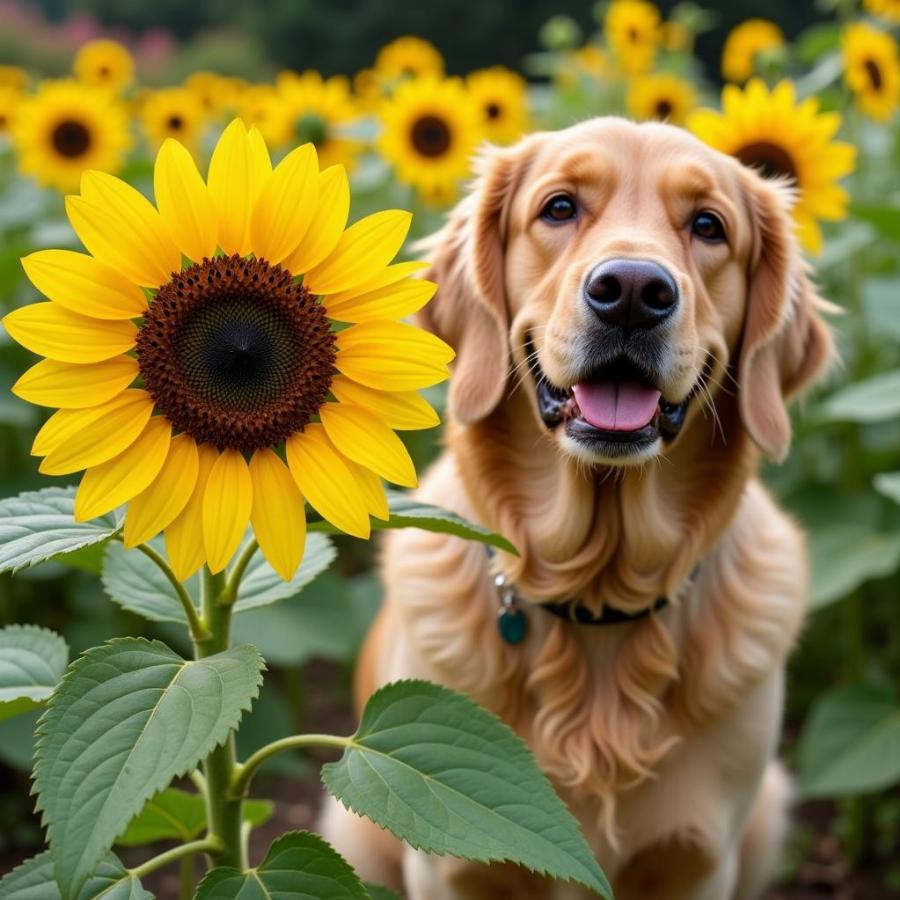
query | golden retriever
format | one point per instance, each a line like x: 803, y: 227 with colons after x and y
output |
x: 631, y: 315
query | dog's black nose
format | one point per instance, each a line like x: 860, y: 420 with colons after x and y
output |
x: 632, y: 293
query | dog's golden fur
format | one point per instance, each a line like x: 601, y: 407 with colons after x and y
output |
x: 659, y: 733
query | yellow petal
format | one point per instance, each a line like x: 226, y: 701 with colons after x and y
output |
x: 115, y: 482
x: 325, y: 229
x: 69, y: 386
x: 184, y: 537
x: 366, y: 246
x: 278, y: 518
x: 365, y: 439
x: 58, y: 333
x: 392, y: 356
x: 260, y: 163
x: 400, y: 410
x: 84, y: 284
x: 396, y: 301
x: 184, y: 201
x: 65, y: 423
x: 119, y: 225
x: 381, y: 278
x: 325, y: 481
x: 286, y: 205
x: 227, y: 502
x: 160, y: 504
x: 370, y: 488
x: 101, y: 438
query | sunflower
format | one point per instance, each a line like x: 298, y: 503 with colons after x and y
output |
x: 13, y: 77
x: 10, y: 98
x: 67, y: 127
x: 104, y: 63
x: 872, y: 69
x: 430, y: 129
x: 633, y: 31
x: 502, y: 97
x: 885, y: 9
x: 771, y: 132
x: 367, y: 90
x: 408, y: 57
x: 217, y: 93
x: 173, y: 112
x: 744, y: 43
x: 201, y: 381
x: 667, y: 98
x: 309, y: 109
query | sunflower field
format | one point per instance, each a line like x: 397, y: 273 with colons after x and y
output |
x: 363, y: 163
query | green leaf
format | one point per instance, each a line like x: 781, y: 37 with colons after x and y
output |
x: 888, y: 483
x: 298, y: 866
x: 174, y: 814
x: 447, y: 776
x: 32, y: 661
x: 39, y: 525
x: 407, y: 512
x: 378, y: 892
x: 882, y: 307
x: 846, y: 555
x: 871, y: 400
x: 127, y: 718
x: 851, y: 743
x: 886, y: 219
x: 34, y: 880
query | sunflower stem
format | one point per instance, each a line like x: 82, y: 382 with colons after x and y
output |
x: 232, y: 585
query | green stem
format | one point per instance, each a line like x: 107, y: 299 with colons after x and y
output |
x: 186, y: 878
x: 208, y: 845
x: 230, y: 591
x: 198, y: 628
x: 245, y: 773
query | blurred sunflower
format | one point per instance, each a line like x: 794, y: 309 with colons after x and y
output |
x: 367, y: 90
x: 744, y: 43
x: 13, y: 77
x: 633, y: 32
x: 430, y: 129
x: 771, y: 132
x: 408, y: 57
x: 104, y: 63
x: 872, y: 69
x: 216, y: 93
x: 502, y: 97
x: 588, y: 60
x: 885, y: 9
x: 173, y: 113
x: 677, y: 37
x: 309, y: 109
x: 255, y: 104
x: 67, y: 127
x: 10, y: 98
x: 199, y: 380
x: 665, y: 97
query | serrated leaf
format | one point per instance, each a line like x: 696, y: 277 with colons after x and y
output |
x: 39, y: 525
x: 874, y: 399
x: 174, y: 814
x: 298, y: 866
x: 34, y: 880
x: 128, y: 717
x: 447, y: 776
x: 379, y: 892
x: 406, y: 512
x: 851, y: 743
x: 32, y: 661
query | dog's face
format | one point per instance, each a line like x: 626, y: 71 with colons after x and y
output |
x: 628, y: 271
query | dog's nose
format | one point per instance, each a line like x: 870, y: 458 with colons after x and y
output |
x: 632, y: 293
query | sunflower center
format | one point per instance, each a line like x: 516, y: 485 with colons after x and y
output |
x: 431, y: 136
x: 770, y: 159
x: 874, y: 74
x: 175, y: 122
x: 236, y: 354
x: 664, y: 109
x: 71, y: 138
x: 311, y: 128
x: 493, y: 110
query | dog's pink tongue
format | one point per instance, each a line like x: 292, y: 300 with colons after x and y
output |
x: 617, y: 405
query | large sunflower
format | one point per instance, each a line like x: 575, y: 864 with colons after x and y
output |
x: 633, y: 31
x: 66, y: 128
x: 885, y: 9
x: 771, y: 132
x: 196, y: 363
x: 502, y: 98
x: 13, y: 77
x: 10, y: 98
x: 665, y: 97
x: 744, y: 43
x: 872, y: 69
x: 430, y: 129
x: 104, y: 63
x: 173, y: 113
x: 408, y: 57
x: 307, y: 108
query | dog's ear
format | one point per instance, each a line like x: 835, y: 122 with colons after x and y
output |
x: 469, y: 310
x: 785, y: 343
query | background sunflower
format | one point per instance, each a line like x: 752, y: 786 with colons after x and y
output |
x: 633, y: 31
x: 664, y: 97
x: 502, y: 97
x: 872, y: 69
x: 173, y: 113
x: 104, y: 63
x: 744, y: 43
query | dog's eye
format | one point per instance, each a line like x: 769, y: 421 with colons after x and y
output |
x: 708, y: 227
x: 559, y: 209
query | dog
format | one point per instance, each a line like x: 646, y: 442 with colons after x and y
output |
x: 631, y: 316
